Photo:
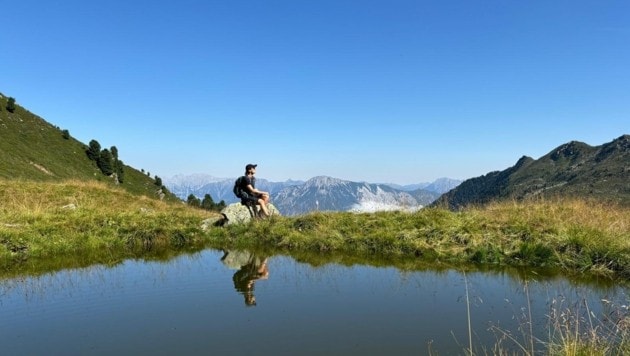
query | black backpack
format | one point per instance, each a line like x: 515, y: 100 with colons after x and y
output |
x: 237, y: 187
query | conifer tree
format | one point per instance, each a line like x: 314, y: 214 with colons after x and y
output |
x: 11, y: 105
x: 94, y: 150
x: 114, y: 152
x: 193, y: 201
x: 104, y: 162
x: 120, y: 171
x: 207, y: 203
x: 115, y: 162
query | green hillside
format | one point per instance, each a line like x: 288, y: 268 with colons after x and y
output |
x: 33, y: 149
x: 574, y: 169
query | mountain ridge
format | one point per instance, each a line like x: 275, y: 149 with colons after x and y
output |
x: 573, y: 169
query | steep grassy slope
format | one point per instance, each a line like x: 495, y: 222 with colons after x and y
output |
x: 33, y: 149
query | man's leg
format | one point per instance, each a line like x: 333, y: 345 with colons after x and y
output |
x: 263, y: 207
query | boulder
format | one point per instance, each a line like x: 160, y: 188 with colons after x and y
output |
x: 218, y: 220
x: 238, y: 213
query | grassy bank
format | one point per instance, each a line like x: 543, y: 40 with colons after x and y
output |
x: 88, y: 220
x: 573, y: 235
x: 42, y: 220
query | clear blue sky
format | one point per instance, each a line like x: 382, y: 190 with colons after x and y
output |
x: 382, y: 91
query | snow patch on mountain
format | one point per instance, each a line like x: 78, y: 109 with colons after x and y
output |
x: 374, y: 206
x: 373, y: 200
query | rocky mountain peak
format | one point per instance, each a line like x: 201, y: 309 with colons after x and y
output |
x: 323, y: 181
x: 619, y: 147
x: 572, y: 149
x: 622, y: 142
x: 523, y: 161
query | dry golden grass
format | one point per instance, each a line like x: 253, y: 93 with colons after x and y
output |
x: 562, y: 214
x: 26, y: 197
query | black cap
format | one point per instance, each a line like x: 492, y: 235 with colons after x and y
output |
x: 250, y: 166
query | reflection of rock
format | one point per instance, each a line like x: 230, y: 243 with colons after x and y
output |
x: 235, y: 259
x: 238, y: 213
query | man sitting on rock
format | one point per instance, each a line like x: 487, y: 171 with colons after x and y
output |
x: 249, y: 192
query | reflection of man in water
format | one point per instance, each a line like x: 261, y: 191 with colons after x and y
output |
x: 252, y: 268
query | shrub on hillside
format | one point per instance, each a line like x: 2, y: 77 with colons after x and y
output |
x: 11, y: 105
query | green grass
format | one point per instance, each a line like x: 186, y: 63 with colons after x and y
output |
x: 46, y: 220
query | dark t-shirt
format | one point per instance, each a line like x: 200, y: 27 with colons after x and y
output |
x: 248, y: 180
x: 247, y: 193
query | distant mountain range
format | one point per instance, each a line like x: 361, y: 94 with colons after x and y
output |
x: 326, y: 193
x: 318, y: 193
x: 573, y: 169
x: 219, y: 188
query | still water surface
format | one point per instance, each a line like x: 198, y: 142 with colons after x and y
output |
x: 207, y: 303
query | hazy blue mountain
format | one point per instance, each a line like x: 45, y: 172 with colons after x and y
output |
x: 407, y: 187
x: 440, y: 185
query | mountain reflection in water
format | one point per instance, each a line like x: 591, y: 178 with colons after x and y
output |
x: 308, y: 305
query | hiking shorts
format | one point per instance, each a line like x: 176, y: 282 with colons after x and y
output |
x: 249, y: 198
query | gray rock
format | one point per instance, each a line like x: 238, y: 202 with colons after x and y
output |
x: 238, y: 213
x: 218, y: 220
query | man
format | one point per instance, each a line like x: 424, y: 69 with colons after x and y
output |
x: 246, y: 277
x: 250, y: 193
